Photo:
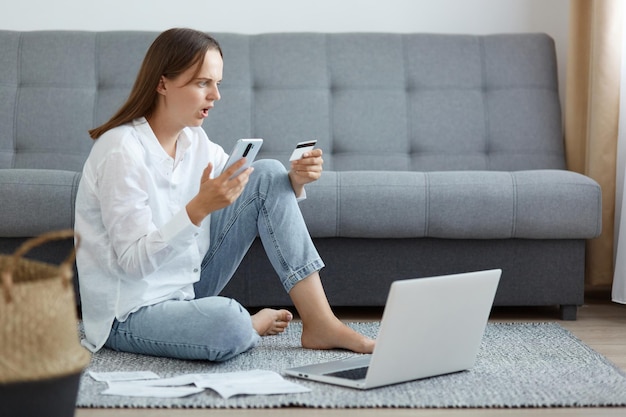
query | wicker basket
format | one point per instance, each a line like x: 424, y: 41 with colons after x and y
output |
x: 38, y: 321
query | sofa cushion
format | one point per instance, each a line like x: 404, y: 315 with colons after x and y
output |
x: 35, y: 201
x: 538, y: 204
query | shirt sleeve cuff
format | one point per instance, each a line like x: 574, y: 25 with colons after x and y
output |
x: 302, y: 196
x: 179, y: 230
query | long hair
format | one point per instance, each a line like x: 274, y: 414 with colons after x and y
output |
x: 172, y: 53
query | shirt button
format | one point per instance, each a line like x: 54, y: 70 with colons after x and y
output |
x: 195, y: 270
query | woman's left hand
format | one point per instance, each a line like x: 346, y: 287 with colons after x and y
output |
x: 306, y: 170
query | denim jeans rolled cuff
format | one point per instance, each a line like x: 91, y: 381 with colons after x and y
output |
x: 292, y: 279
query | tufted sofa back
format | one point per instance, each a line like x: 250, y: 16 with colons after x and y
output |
x: 419, y: 102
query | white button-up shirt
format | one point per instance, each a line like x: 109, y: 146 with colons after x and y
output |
x: 137, y: 244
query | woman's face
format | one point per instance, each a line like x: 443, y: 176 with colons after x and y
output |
x: 187, y: 99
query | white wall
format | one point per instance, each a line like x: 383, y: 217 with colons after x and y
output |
x: 259, y: 16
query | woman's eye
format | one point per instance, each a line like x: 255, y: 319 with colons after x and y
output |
x: 203, y: 84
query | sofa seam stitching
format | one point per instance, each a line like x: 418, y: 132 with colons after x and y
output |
x: 483, y: 75
x: 331, y: 101
x: 97, y: 78
x: 17, y: 99
x: 407, y: 99
x: 515, y: 200
x: 338, y: 220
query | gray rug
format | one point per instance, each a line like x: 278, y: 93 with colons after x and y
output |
x: 519, y: 365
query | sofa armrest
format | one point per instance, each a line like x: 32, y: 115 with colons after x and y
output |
x: 35, y: 201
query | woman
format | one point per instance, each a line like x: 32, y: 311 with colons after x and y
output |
x: 163, y: 233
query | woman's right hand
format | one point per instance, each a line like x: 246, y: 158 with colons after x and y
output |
x: 217, y: 193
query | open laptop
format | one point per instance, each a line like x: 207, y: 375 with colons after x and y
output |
x: 430, y: 326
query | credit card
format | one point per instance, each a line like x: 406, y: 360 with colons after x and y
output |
x: 301, y: 148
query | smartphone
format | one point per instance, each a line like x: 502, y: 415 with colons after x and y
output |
x: 301, y: 148
x: 244, y: 148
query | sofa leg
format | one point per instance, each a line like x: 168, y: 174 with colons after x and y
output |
x: 568, y: 312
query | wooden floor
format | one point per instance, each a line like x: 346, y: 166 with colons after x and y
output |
x: 601, y: 325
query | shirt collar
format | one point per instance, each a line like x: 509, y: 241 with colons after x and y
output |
x: 151, y: 143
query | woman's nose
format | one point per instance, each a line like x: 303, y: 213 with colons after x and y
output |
x: 214, y: 94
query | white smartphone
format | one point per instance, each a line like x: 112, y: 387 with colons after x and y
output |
x: 301, y: 148
x: 244, y: 148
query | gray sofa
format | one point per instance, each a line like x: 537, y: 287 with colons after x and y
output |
x: 443, y: 153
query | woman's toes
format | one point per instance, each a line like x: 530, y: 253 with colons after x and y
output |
x: 268, y: 321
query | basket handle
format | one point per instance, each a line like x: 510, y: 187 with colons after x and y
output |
x: 65, y: 268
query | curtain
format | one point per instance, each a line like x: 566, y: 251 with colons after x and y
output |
x: 619, y: 278
x: 592, y: 115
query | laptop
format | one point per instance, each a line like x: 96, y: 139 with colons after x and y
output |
x: 430, y: 326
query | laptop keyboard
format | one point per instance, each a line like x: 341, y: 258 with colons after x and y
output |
x: 355, y: 373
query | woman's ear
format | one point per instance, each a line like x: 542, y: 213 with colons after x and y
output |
x: 161, y: 86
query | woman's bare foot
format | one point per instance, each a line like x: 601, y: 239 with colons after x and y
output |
x: 269, y: 321
x: 334, y: 334
x: 321, y: 329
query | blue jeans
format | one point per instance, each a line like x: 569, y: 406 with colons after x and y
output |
x: 216, y: 328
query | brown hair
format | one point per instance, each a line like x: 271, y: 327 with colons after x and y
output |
x: 172, y: 53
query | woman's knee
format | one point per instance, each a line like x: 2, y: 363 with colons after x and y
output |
x: 231, y: 331
x: 269, y: 167
x: 269, y: 177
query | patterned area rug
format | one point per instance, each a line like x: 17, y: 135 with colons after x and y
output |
x: 519, y: 365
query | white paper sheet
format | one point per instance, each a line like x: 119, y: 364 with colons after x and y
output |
x: 136, y: 389
x: 122, y: 376
x: 256, y: 382
x: 229, y: 384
